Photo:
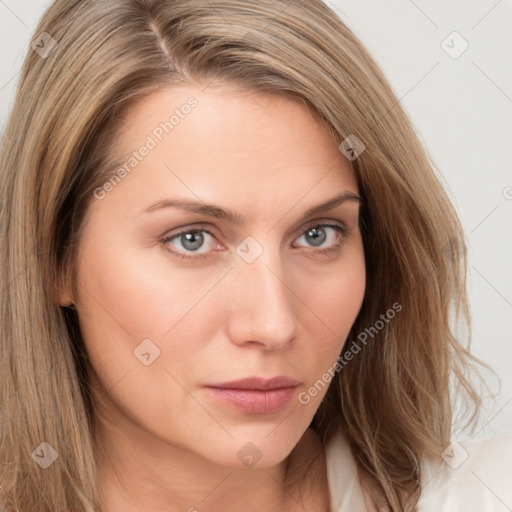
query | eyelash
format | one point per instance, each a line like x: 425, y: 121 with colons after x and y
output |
x: 342, y: 230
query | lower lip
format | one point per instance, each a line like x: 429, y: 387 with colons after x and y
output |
x: 254, y: 401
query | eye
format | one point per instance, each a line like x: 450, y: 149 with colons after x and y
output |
x: 192, y: 240
x: 319, y: 233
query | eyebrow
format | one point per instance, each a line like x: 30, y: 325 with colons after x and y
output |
x: 214, y: 211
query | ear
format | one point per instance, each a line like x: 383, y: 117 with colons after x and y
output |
x: 65, y: 299
x: 62, y: 293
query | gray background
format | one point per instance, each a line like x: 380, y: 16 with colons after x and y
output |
x: 461, y: 107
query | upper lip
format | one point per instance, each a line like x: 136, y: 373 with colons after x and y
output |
x: 258, y: 383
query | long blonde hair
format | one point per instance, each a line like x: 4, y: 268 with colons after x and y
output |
x: 393, y: 404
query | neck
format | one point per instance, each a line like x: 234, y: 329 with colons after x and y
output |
x: 138, y: 471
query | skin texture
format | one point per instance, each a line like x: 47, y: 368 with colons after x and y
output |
x: 166, y: 443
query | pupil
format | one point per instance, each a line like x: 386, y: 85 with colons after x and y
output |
x: 318, y: 239
x: 192, y: 240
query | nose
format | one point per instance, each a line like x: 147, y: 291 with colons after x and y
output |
x: 262, y: 311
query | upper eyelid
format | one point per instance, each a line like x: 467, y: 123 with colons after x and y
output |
x: 201, y: 226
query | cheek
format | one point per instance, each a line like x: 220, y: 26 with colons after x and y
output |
x: 342, y: 297
x: 138, y: 325
x: 333, y: 304
x: 137, y: 291
x: 127, y: 297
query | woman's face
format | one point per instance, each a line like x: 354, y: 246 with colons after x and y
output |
x: 253, y: 293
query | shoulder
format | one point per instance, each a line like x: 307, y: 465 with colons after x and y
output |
x: 469, y: 475
x: 345, y: 492
x: 474, y: 475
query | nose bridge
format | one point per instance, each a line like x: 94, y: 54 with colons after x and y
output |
x: 265, y: 309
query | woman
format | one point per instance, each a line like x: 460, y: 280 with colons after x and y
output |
x: 229, y: 271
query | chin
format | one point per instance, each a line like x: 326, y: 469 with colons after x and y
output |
x: 253, y: 448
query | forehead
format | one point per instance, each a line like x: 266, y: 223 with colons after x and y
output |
x: 220, y: 145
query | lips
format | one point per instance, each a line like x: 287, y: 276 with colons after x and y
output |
x: 257, y: 383
x: 256, y: 395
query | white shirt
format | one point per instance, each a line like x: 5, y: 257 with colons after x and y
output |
x: 471, y: 476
